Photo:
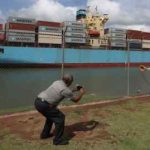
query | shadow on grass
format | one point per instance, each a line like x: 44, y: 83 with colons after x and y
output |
x: 70, y: 130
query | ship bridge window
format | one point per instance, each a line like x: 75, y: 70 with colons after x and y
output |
x: 1, y: 50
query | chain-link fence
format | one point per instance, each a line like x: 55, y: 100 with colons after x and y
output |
x: 97, y: 70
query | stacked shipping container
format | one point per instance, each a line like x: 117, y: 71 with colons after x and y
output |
x: 134, y: 39
x: 117, y: 37
x: 2, y: 34
x: 23, y: 30
x: 49, y: 32
x: 145, y: 40
x: 1, y: 26
x: 74, y: 32
x: 20, y: 30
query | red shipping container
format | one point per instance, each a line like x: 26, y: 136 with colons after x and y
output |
x: 134, y: 34
x: 1, y: 26
x: 146, y: 35
x: 49, y: 24
x: 2, y: 37
x: 18, y: 26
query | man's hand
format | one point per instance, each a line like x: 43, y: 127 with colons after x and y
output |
x: 82, y: 90
x: 77, y: 88
x: 79, y: 95
x: 142, y: 68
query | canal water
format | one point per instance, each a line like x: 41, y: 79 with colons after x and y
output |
x: 19, y: 87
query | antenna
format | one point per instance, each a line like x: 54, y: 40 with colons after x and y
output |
x: 96, y: 11
x: 88, y: 9
x: 96, y: 8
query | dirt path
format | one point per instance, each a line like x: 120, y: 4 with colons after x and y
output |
x: 28, y: 125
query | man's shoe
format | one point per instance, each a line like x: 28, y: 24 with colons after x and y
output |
x: 47, y: 136
x: 64, y: 142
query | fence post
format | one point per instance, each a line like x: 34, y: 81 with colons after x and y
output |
x: 128, y: 68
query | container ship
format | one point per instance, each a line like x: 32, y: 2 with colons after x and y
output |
x: 26, y: 42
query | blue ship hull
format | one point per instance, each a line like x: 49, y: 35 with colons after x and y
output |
x: 52, y: 57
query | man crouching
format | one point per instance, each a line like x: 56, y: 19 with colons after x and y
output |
x: 47, y: 101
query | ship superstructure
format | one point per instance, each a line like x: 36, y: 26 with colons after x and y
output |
x: 95, y: 23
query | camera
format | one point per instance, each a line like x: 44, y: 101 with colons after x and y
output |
x: 79, y: 87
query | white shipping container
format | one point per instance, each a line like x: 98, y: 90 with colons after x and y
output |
x: 23, y: 34
x: 49, y: 29
x: 20, y: 39
x: 134, y: 40
x: 49, y: 34
x: 74, y: 24
x: 2, y: 32
x: 118, y: 44
x: 45, y: 39
x: 118, y: 35
x: 113, y: 36
x: 122, y: 40
x: 76, y: 30
x: 75, y: 40
x: 146, y: 41
x: 73, y: 34
x: 116, y: 30
x: 18, y: 31
x: 146, y: 44
x: 21, y: 20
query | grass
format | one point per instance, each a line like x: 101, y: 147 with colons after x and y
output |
x: 14, y: 110
x: 127, y: 125
x: 86, y: 98
x: 130, y: 124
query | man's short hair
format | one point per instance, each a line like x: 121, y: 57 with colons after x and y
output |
x: 68, y: 79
